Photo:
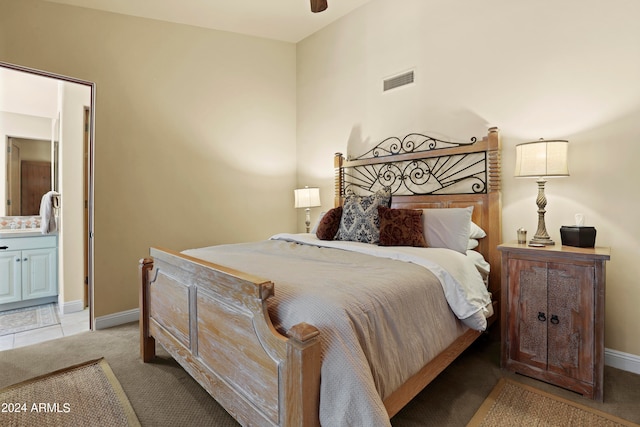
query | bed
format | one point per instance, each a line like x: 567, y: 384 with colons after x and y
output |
x: 271, y: 360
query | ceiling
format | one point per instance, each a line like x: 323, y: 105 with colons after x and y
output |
x: 286, y: 20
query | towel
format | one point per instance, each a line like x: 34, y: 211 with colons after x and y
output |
x: 47, y: 214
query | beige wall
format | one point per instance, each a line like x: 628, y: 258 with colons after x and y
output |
x: 194, y: 135
x: 34, y: 149
x: 537, y: 69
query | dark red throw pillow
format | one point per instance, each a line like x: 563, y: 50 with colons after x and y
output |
x: 401, y: 227
x: 329, y: 224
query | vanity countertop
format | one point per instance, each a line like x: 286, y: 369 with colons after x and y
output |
x: 20, y: 232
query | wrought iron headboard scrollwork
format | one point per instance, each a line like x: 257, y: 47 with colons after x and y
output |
x: 418, y: 165
x: 412, y: 143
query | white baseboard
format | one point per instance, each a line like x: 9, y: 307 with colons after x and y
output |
x: 111, y: 320
x: 625, y: 361
x: 617, y: 359
x: 72, y: 306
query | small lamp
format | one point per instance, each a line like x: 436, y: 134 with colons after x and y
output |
x: 540, y: 159
x: 307, y: 198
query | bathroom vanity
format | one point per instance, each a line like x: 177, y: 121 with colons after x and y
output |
x: 28, y: 268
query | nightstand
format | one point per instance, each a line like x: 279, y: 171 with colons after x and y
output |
x: 552, y: 315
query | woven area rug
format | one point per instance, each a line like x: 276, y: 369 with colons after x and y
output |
x: 514, y: 404
x: 28, y: 318
x: 82, y: 395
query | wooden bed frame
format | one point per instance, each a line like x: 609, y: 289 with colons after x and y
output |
x: 213, y: 320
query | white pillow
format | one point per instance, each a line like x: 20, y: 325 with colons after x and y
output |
x: 476, y: 232
x: 481, y: 264
x: 315, y: 227
x: 447, y: 228
x: 472, y: 244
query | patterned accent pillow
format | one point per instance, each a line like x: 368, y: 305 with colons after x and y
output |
x: 401, y: 227
x: 360, y: 221
x: 328, y: 225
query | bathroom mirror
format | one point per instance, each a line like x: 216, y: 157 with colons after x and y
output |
x: 30, y: 173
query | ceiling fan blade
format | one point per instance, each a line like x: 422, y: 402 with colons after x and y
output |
x: 318, y: 5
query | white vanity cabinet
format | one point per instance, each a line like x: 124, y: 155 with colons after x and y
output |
x: 28, y: 270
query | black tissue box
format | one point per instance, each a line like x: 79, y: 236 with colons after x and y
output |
x: 581, y: 237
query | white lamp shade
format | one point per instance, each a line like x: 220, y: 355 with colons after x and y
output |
x: 307, y: 197
x: 542, y: 158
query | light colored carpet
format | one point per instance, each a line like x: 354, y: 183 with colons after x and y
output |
x: 28, y: 318
x: 164, y: 395
x: 514, y: 404
x: 87, y: 394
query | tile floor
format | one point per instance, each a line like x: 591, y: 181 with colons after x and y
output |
x: 70, y: 324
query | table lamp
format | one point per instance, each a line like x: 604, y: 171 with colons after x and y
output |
x: 307, y: 198
x: 541, y: 159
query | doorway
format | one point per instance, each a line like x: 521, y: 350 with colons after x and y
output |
x: 73, y: 214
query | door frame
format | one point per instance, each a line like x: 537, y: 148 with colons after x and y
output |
x: 89, y: 180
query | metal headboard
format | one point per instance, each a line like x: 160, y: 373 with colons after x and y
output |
x: 419, y: 165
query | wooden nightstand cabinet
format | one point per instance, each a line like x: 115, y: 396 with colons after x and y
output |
x: 552, y: 315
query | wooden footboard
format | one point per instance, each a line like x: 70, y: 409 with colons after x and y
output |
x: 213, y: 320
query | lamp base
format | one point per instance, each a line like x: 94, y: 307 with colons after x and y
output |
x: 541, y: 237
x: 307, y: 221
x: 538, y: 241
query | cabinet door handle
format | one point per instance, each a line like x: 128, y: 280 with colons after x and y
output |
x: 24, y: 259
x: 542, y: 317
x: 554, y: 319
x: 4, y: 247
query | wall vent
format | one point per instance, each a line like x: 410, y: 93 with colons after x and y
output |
x: 397, y: 81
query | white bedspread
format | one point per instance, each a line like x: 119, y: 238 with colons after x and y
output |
x: 380, y: 318
x: 463, y: 287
